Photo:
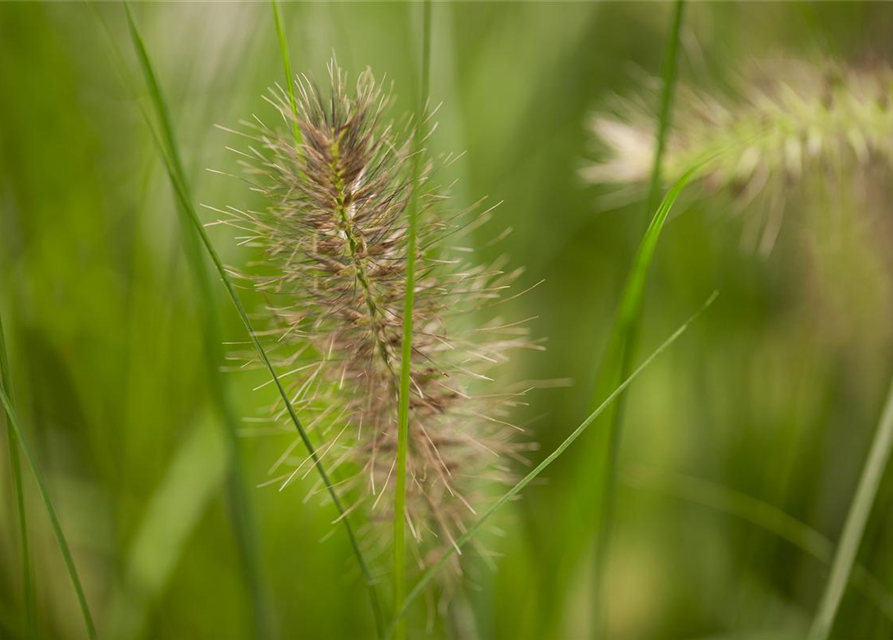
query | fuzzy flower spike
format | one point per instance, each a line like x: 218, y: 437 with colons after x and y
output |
x: 334, y: 240
x: 787, y: 120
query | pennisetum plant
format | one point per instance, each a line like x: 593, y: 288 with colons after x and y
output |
x: 339, y: 185
x: 786, y: 123
x: 337, y: 252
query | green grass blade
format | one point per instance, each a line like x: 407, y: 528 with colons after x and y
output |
x: 406, y: 345
x: 187, y: 208
x: 668, y: 78
x: 15, y: 463
x: 51, y: 511
x: 286, y: 64
x: 241, y: 514
x: 475, y: 526
x: 628, y: 324
x: 761, y: 514
x: 854, y: 527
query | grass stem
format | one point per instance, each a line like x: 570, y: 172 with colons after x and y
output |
x: 854, y: 527
x: 406, y: 345
x: 286, y: 65
x: 51, y: 511
x: 15, y: 463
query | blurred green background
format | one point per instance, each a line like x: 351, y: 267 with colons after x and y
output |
x: 773, y: 394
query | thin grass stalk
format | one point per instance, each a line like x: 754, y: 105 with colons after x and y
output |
x: 30, y: 613
x: 475, y: 526
x: 406, y: 345
x: 588, y: 491
x: 854, y: 527
x: 187, y: 208
x: 628, y: 325
x: 286, y: 64
x: 244, y: 525
x: 13, y: 422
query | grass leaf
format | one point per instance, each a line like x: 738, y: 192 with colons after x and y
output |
x: 286, y: 64
x: 854, y: 527
x: 629, y: 320
x: 17, y: 479
x: 51, y: 511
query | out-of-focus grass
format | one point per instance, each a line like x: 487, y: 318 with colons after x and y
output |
x: 774, y: 393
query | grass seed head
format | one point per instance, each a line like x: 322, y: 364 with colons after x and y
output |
x: 334, y: 239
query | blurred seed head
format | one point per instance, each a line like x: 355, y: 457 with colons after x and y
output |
x: 782, y: 120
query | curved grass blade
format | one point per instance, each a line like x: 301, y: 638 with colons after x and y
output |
x: 17, y: 480
x: 51, y: 511
x: 854, y: 527
x: 244, y: 526
x: 187, y: 208
x: 240, y: 512
x: 406, y: 345
x: 761, y: 514
x: 587, y: 491
x: 475, y: 526
x: 628, y: 324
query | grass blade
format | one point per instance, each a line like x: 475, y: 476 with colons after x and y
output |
x: 854, y: 527
x: 51, y: 511
x: 628, y: 323
x: 406, y: 346
x: 17, y: 480
x: 192, y: 479
x: 289, y: 79
x: 240, y: 510
x: 187, y: 209
x: 475, y: 526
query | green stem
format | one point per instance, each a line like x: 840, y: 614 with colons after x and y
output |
x: 286, y: 64
x: 854, y: 527
x: 51, y: 511
x: 187, y: 208
x: 406, y: 345
x: 17, y: 480
x: 628, y: 330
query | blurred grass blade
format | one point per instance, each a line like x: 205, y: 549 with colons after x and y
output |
x: 190, y: 482
x: 406, y: 344
x: 286, y: 64
x: 187, y: 208
x: 668, y: 82
x: 15, y: 463
x: 587, y: 491
x: 628, y: 323
x: 854, y: 527
x: 244, y: 526
x: 475, y: 526
x: 51, y: 511
x: 761, y: 514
